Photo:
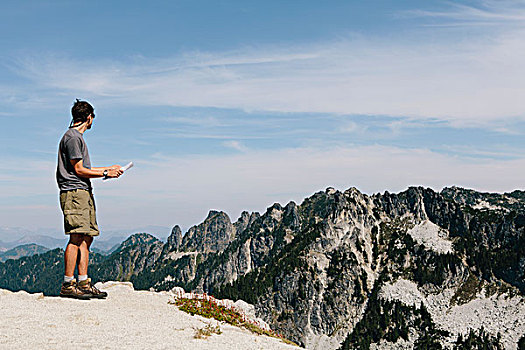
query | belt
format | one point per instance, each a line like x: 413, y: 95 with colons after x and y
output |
x: 76, y: 189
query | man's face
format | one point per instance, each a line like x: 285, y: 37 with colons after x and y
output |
x: 90, y: 120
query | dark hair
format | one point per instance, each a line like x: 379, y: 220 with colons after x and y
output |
x: 81, y: 110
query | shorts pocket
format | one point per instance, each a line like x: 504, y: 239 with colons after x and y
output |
x: 74, y: 220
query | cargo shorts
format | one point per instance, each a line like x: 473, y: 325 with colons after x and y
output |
x: 78, y: 207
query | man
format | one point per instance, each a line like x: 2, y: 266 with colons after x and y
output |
x: 73, y: 175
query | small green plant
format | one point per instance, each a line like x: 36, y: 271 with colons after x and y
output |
x: 209, y: 308
x: 206, y: 331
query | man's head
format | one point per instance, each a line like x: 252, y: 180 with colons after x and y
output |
x: 82, y: 112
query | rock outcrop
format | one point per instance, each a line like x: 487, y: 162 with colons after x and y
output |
x: 127, y: 319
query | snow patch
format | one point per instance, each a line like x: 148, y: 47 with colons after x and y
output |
x: 432, y: 236
x: 481, y: 204
x: 404, y: 291
x: 496, y: 313
x: 178, y: 255
x: 400, y: 344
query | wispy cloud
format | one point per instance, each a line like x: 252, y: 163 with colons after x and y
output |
x: 199, y: 134
x: 195, y: 121
x: 473, y: 80
x: 489, y: 153
x: 485, y: 12
x: 237, y: 145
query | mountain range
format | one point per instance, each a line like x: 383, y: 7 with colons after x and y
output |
x: 22, y: 250
x: 342, y: 270
x: 41, y: 240
x: 105, y: 244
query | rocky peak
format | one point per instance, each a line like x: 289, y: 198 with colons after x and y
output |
x: 212, y: 235
x: 410, y: 202
x: 461, y: 196
x: 517, y: 194
x: 253, y: 217
x: 212, y: 213
x: 291, y: 216
x: 138, y: 239
x: 138, y: 252
x: 275, y: 207
x: 272, y: 217
x: 505, y: 202
x: 330, y: 190
x: 354, y: 192
x: 175, y: 239
x: 242, y: 222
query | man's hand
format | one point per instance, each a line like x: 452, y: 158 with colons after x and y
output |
x: 115, y: 171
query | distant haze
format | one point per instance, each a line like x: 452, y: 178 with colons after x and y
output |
x: 12, y: 237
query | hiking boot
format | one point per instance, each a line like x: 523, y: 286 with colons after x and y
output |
x: 70, y: 290
x: 86, y: 287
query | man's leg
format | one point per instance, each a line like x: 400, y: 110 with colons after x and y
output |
x: 84, y: 255
x: 84, y: 283
x: 71, y: 254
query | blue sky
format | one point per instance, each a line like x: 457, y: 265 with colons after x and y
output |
x: 234, y: 105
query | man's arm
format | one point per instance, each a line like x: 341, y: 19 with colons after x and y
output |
x: 116, y: 166
x: 113, y: 171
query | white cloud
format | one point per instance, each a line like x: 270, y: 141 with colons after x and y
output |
x: 237, y: 145
x: 485, y: 12
x: 472, y: 80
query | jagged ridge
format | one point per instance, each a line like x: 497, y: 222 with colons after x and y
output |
x: 311, y: 269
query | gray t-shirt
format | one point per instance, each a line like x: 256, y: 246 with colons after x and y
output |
x: 72, y: 146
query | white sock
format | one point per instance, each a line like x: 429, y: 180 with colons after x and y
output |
x: 82, y: 278
x: 68, y: 279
